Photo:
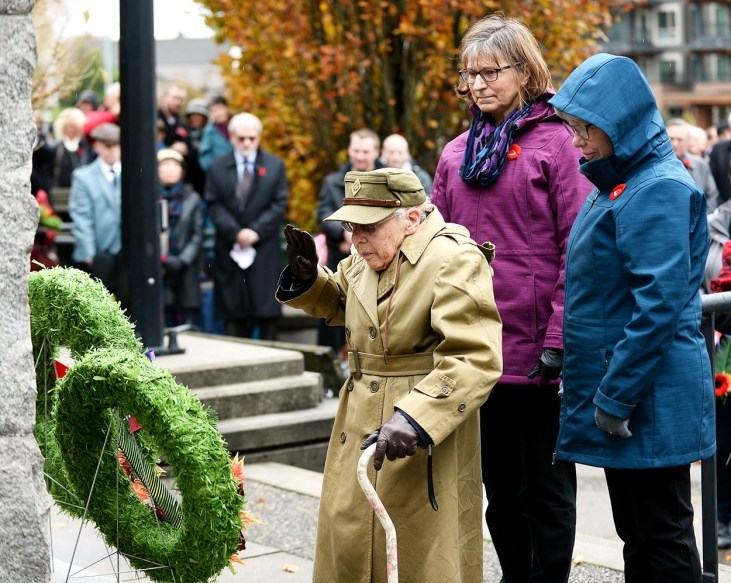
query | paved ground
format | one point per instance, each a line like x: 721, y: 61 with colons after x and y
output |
x: 281, y: 549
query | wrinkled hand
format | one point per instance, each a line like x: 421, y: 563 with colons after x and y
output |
x: 549, y: 365
x: 612, y: 424
x: 301, y: 253
x: 174, y: 265
x: 395, y: 439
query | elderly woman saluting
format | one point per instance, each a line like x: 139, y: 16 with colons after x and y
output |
x: 424, y: 338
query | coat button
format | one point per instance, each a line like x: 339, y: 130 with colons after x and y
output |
x: 351, y: 384
x: 461, y: 407
x: 372, y: 332
x: 343, y: 437
x: 374, y: 386
x: 445, y: 390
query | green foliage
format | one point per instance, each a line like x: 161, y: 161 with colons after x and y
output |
x: 722, y: 356
x: 315, y: 71
x: 75, y: 415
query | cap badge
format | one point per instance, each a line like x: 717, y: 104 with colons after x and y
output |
x: 356, y: 187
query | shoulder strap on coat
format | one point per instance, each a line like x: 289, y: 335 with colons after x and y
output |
x: 456, y: 233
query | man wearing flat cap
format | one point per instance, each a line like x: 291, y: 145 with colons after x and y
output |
x: 95, y: 207
x: 424, y: 340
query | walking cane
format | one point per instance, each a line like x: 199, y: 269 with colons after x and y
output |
x: 381, y: 514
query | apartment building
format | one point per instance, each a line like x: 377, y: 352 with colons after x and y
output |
x: 684, y: 49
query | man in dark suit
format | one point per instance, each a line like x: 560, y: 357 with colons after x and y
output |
x: 363, y: 150
x: 720, y: 161
x: 246, y: 193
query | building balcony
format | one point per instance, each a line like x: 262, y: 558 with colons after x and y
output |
x: 713, y: 37
x: 631, y: 47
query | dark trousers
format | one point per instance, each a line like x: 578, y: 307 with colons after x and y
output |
x: 332, y: 336
x: 259, y: 328
x: 723, y: 460
x: 653, y: 515
x: 531, y: 509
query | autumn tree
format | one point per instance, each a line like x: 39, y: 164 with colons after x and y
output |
x: 65, y: 65
x: 316, y: 70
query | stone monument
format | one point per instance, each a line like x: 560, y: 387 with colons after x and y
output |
x: 24, y: 502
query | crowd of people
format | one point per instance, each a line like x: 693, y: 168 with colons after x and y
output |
x: 219, y: 263
x: 583, y: 343
x: 573, y: 336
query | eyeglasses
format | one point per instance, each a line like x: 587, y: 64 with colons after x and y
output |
x: 373, y: 227
x: 582, y: 131
x: 245, y: 138
x: 469, y: 76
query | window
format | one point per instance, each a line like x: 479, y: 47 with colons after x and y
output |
x: 619, y: 30
x: 668, y: 72
x: 723, y: 20
x: 666, y: 25
x: 723, y: 68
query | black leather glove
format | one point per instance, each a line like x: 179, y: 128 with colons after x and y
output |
x: 612, y: 424
x: 549, y: 365
x: 395, y: 439
x: 301, y: 253
x: 174, y: 265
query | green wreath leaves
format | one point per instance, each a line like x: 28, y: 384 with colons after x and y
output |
x: 110, y: 378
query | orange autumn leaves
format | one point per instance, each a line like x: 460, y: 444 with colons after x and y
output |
x: 237, y: 470
x: 314, y: 71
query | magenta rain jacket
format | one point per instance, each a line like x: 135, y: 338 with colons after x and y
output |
x: 527, y: 213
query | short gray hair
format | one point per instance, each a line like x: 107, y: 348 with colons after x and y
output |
x: 248, y: 120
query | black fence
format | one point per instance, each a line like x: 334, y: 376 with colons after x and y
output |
x: 713, y: 304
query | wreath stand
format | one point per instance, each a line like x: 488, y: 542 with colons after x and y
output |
x: 126, y: 442
x: 99, y: 470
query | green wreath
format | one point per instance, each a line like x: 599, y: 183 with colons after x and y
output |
x: 110, y: 377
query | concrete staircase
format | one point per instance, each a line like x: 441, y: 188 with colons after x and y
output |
x: 270, y: 408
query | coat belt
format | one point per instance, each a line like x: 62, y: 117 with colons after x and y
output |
x: 395, y: 365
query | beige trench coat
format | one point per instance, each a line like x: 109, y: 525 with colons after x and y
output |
x: 443, y: 336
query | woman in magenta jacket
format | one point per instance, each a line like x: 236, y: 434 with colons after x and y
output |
x: 512, y: 179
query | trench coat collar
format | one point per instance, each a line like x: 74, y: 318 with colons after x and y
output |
x: 369, y: 288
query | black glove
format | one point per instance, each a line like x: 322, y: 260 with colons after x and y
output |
x: 174, y: 265
x: 396, y: 438
x: 549, y: 365
x: 301, y: 253
x: 612, y: 424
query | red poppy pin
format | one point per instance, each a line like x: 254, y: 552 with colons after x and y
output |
x: 687, y: 163
x: 514, y: 152
x: 614, y: 195
x: 262, y: 171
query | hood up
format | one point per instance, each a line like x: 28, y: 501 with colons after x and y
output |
x: 611, y: 93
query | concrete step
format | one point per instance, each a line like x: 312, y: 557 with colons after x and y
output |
x: 269, y: 407
x: 209, y: 361
x: 288, y: 393
x: 318, y: 358
x: 290, y: 430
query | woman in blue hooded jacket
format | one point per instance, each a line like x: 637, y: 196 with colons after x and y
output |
x: 638, y: 395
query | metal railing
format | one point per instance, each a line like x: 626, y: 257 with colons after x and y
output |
x: 713, y: 304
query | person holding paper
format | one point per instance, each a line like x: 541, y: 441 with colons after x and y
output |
x: 246, y: 194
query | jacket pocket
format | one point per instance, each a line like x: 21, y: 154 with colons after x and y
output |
x: 439, y: 386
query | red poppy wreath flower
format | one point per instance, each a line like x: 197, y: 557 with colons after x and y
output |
x: 722, y: 384
x: 722, y: 362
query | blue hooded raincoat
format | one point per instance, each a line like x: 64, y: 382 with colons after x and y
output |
x: 635, y: 262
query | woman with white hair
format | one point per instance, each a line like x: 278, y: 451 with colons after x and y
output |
x: 71, y: 148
